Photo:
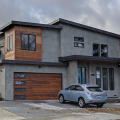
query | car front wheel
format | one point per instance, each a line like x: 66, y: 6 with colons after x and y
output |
x: 61, y: 99
x: 81, y: 103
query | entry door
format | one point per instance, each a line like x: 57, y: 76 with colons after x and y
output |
x: 82, y: 75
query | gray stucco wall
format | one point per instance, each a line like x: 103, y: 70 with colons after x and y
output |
x: 50, y: 45
x: 10, y: 69
x: 2, y: 81
x: 67, y: 42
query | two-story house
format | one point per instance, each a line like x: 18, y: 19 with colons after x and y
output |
x: 37, y: 60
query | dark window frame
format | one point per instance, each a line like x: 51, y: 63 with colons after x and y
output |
x: 77, y: 42
x: 8, y: 43
x: 110, y: 82
x: 28, y: 42
x: 103, y: 79
x: 101, y: 50
x: 100, y: 76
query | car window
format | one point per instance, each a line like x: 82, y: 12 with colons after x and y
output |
x: 94, y: 89
x: 71, y: 87
x: 79, y: 88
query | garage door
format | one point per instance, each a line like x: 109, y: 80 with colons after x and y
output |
x: 30, y: 86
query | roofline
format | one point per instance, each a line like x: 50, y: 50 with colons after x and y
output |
x: 60, y: 20
x: 88, y: 58
x: 20, y: 23
x: 33, y: 63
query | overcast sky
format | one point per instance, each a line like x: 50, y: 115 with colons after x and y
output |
x: 103, y: 14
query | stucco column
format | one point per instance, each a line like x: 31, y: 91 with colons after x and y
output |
x: 72, y: 73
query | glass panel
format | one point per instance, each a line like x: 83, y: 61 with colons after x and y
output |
x: 104, y: 50
x: 32, y: 42
x: 79, y: 39
x: 20, y: 89
x: 76, y: 44
x: 83, y: 75
x: 96, y: 50
x: 94, y: 89
x: 105, y: 79
x: 24, y: 42
x: 98, y: 76
x: 71, y: 87
x: 111, y: 78
x: 20, y: 75
x: 8, y: 44
x: 20, y: 82
x: 20, y: 96
x: 11, y: 42
x: 79, y: 88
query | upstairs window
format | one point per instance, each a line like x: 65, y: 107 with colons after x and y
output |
x: 96, y: 50
x: 104, y: 51
x: 28, y: 42
x: 100, y: 50
x: 10, y: 43
x: 79, y: 42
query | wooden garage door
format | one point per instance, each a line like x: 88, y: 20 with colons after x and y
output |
x: 30, y: 86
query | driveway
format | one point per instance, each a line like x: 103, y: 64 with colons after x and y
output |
x: 53, y: 110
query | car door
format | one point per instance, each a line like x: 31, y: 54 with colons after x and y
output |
x: 67, y: 94
x: 76, y: 93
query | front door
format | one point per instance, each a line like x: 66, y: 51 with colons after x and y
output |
x: 82, y: 75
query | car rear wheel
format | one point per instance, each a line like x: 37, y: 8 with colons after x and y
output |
x: 99, y: 105
x: 81, y: 103
x: 61, y: 99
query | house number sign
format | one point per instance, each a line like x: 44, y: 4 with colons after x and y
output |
x: 20, y: 75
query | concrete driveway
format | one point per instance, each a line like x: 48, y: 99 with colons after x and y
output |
x: 53, y: 110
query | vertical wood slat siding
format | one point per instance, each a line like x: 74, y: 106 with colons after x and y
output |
x: 40, y: 86
x: 17, y: 53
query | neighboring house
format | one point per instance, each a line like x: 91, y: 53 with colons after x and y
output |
x: 37, y: 60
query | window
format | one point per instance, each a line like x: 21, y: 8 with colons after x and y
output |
x: 20, y: 89
x: 79, y: 88
x: 79, y: 42
x: 28, y: 42
x: 98, y: 76
x: 96, y: 50
x: 82, y: 75
x: 104, y: 50
x: 20, y: 82
x: 20, y: 96
x: 94, y: 89
x: 105, y: 79
x: 10, y: 43
x: 111, y: 78
x: 100, y: 50
x: 71, y: 87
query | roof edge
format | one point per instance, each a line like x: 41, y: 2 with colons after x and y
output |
x: 84, y: 27
x: 3, y: 61
x: 12, y: 23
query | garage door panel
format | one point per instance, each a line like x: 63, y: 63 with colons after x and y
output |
x: 40, y: 86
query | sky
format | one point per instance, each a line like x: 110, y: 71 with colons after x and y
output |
x: 102, y: 14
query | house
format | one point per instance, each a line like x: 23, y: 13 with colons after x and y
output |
x: 37, y: 60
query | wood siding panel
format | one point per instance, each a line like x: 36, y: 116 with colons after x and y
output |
x: 17, y: 53
x: 40, y: 86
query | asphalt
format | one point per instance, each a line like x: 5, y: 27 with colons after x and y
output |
x: 53, y: 110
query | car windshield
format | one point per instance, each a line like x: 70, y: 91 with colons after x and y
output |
x: 94, y: 89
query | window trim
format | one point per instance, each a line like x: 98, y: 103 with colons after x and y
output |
x: 100, y: 76
x: 107, y: 78
x: 79, y: 42
x: 113, y: 79
x: 28, y: 41
x: 101, y: 49
x: 8, y: 39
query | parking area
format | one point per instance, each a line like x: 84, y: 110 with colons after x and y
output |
x: 52, y: 109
